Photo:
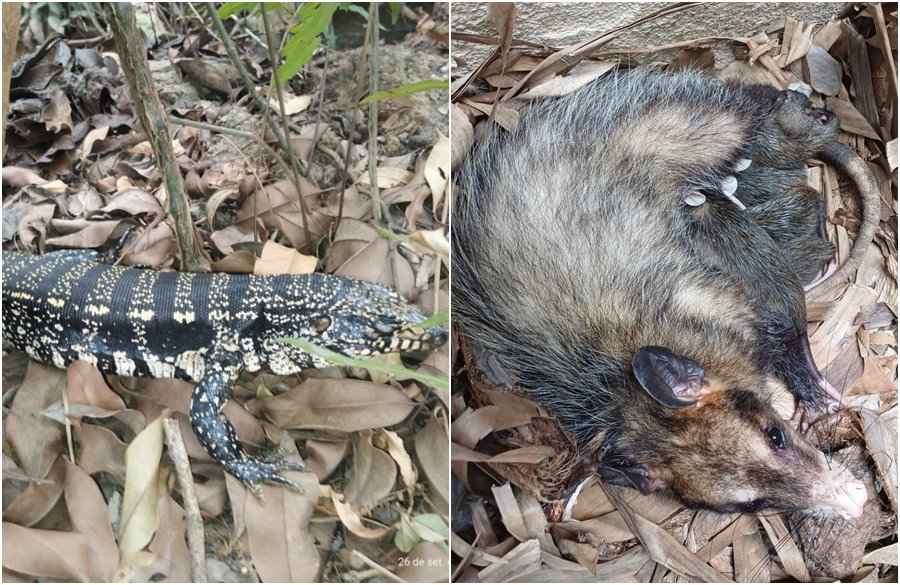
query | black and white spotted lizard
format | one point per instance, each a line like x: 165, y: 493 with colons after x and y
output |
x: 199, y: 327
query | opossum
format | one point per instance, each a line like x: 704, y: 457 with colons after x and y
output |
x: 602, y: 256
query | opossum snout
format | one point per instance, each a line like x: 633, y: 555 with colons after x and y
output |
x: 840, y: 493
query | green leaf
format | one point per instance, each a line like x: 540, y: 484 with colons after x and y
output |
x: 406, y: 538
x: 396, y: 8
x: 296, y: 59
x: 371, y: 364
x: 436, y: 320
x: 314, y: 20
x: 389, y: 235
x: 405, y: 90
x: 230, y: 8
x: 356, y: 9
x: 431, y: 527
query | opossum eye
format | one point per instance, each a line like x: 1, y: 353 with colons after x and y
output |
x: 776, y: 438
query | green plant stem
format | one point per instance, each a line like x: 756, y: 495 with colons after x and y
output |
x: 296, y: 166
x: 373, y: 112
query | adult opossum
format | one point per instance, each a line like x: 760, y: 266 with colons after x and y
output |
x: 606, y: 256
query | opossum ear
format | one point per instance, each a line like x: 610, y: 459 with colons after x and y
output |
x: 618, y: 469
x: 673, y: 381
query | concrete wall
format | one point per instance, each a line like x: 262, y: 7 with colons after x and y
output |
x: 565, y: 23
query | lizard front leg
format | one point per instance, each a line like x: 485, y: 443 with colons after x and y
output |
x: 218, y: 437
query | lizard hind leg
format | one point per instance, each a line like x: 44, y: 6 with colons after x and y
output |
x: 218, y: 437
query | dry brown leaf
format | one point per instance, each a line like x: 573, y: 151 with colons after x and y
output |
x: 278, y: 206
x: 218, y: 198
x: 34, y: 441
x: 90, y: 138
x: 30, y: 505
x: 372, y: 476
x: 664, y: 548
x: 142, y: 490
x: 437, y: 169
x: 503, y: 16
x: 387, y: 177
x: 281, y: 545
x: 86, y: 385
x: 225, y: 239
x: 101, y: 450
x: 432, y: 452
x: 433, y: 241
x: 891, y: 148
x: 396, y: 449
x: 788, y: 553
x: 797, y: 40
x: 851, y: 119
x: 83, y: 233
x: 293, y: 104
x: 33, y: 224
x: 880, y: 431
x: 278, y: 259
x: 18, y: 177
x: 352, y: 521
x: 323, y: 457
x: 578, y: 77
x: 826, y: 36
x: 751, y: 556
x: 825, y: 71
x: 169, y: 546
x: 524, y: 559
x: 57, y: 116
x: 462, y: 136
x: 88, y: 553
x: 135, y: 202
x: 154, y: 247
x: 378, y: 261
x: 475, y: 425
x: 303, y: 144
x: 341, y: 405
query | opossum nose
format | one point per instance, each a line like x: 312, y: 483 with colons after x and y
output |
x: 844, y: 494
x: 852, y: 498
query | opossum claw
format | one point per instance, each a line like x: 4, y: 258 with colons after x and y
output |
x: 742, y: 164
x: 695, y: 199
x: 729, y: 187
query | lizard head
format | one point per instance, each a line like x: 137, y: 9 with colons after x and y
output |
x: 364, y: 319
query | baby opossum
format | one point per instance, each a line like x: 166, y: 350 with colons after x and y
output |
x: 603, y: 255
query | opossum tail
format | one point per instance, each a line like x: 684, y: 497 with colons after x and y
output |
x: 847, y: 161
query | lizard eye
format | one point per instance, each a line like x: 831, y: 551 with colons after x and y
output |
x: 321, y: 324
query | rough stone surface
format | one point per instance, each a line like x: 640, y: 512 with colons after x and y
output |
x: 566, y: 23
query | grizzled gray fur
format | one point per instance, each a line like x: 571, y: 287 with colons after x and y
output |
x: 608, y: 259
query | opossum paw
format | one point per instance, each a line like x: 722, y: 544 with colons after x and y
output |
x: 808, y: 412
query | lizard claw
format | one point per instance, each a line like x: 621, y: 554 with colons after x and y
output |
x: 253, y: 472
